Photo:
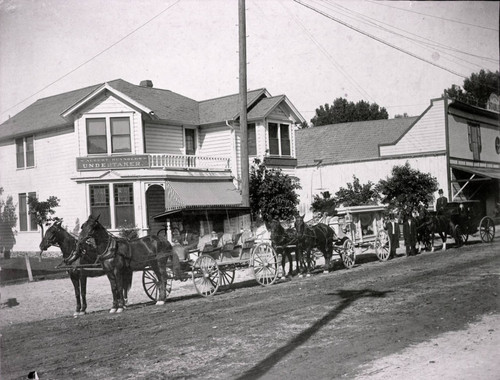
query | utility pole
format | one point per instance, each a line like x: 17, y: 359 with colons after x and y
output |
x: 245, y: 191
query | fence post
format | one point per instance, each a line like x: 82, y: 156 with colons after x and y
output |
x: 28, y: 267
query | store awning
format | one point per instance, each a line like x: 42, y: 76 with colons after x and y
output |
x: 484, y: 172
x: 201, y: 195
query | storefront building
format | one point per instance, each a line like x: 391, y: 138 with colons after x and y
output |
x: 132, y: 152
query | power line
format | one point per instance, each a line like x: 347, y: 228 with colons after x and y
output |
x: 94, y: 57
x: 358, y: 87
x: 441, y: 18
x: 378, y: 39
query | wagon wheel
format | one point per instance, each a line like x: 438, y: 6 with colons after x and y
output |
x: 487, y: 229
x: 226, y: 277
x: 206, y: 275
x: 382, y: 246
x: 264, y: 262
x: 460, y: 235
x: 150, y: 283
x: 348, y: 254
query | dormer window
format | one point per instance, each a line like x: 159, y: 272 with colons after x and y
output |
x: 108, y: 135
x: 279, y: 139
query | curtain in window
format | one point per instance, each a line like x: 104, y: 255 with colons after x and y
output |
x: 285, y: 139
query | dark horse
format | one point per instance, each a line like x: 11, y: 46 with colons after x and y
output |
x: 281, y: 241
x: 319, y: 236
x: 119, y: 256
x: 56, y: 235
x: 442, y: 225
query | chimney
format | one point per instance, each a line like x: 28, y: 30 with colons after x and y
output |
x: 146, y: 83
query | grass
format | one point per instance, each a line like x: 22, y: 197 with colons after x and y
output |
x: 14, y: 269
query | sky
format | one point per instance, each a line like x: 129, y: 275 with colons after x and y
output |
x: 398, y: 54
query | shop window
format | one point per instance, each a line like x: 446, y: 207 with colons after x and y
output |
x: 25, y: 152
x: 124, y: 206
x: 279, y: 139
x: 108, y: 135
x: 99, y: 204
x: 27, y: 221
x: 475, y: 140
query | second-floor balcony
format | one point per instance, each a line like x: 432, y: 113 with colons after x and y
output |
x: 152, y: 161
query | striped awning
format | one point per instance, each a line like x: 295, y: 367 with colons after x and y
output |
x: 200, y: 194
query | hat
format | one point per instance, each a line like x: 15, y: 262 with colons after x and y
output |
x: 440, y: 191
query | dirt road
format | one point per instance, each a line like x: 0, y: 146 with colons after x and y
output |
x: 365, y: 322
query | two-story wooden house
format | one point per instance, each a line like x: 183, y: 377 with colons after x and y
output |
x: 138, y: 155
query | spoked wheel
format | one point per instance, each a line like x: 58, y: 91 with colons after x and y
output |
x: 151, y: 284
x: 487, y: 229
x: 461, y: 236
x: 382, y: 246
x: 206, y: 275
x: 264, y: 262
x: 348, y: 254
x: 226, y: 277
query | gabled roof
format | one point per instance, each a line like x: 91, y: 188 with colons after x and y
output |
x: 43, y: 114
x: 263, y: 108
x: 47, y: 113
x: 227, y: 107
x: 347, y: 142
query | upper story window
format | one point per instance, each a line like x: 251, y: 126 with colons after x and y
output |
x: 190, y: 141
x: 475, y: 140
x: 27, y: 221
x: 25, y: 152
x: 279, y: 139
x: 252, y: 140
x: 108, y: 135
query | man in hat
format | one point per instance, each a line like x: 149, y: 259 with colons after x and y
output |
x: 441, y: 203
x: 392, y: 227
x: 410, y: 234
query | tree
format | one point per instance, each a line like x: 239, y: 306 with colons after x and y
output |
x: 272, y: 193
x: 43, y: 210
x: 357, y: 194
x: 324, y: 203
x: 477, y: 88
x: 407, y: 188
x: 399, y: 116
x: 8, y: 220
x: 343, y: 111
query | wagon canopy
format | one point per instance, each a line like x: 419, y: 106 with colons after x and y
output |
x: 200, y: 195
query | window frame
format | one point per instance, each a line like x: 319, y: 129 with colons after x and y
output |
x: 252, y: 139
x: 109, y: 136
x: 195, y: 140
x: 112, y: 204
x: 279, y: 138
x: 27, y: 221
x: 24, y: 153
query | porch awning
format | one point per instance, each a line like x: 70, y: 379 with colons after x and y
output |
x: 183, y: 195
x: 484, y: 172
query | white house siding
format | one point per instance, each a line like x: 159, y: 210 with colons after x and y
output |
x: 54, y: 165
x: 459, y: 136
x: 214, y: 141
x: 315, y: 180
x: 164, y: 139
x: 109, y: 106
x: 428, y: 134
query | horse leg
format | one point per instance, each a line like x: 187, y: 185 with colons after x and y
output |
x: 119, y: 275
x: 161, y: 273
x: 75, y: 280
x: 83, y: 289
x: 110, y: 273
x: 127, y: 284
x: 290, y: 262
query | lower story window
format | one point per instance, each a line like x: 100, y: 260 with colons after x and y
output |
x: 119, y: 208
x: 124, y: 205
x: 27, y: 221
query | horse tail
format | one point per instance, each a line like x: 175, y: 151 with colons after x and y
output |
x: 127, y: 279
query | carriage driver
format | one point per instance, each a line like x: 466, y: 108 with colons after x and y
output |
x: 441, y: 203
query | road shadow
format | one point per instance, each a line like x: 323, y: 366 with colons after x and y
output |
x: 348, y: 297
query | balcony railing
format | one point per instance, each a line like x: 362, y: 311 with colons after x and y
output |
x: 162, y: 160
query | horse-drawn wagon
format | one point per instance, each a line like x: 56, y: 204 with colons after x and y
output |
x: 364, y: 227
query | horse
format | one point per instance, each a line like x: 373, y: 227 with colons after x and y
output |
x: 56, y: 235
x: 280, y: 240
x: 119, y: 256
x: 319, y: 236
x: 442, y: 225
x: 424, y: 230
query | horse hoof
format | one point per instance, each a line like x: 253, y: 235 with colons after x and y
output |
x: 119, y: 310
x: 112, y: 311
x: 325, y: 272
x: 159, y: 303
x: 301, y: 275
x: 308, y: 275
